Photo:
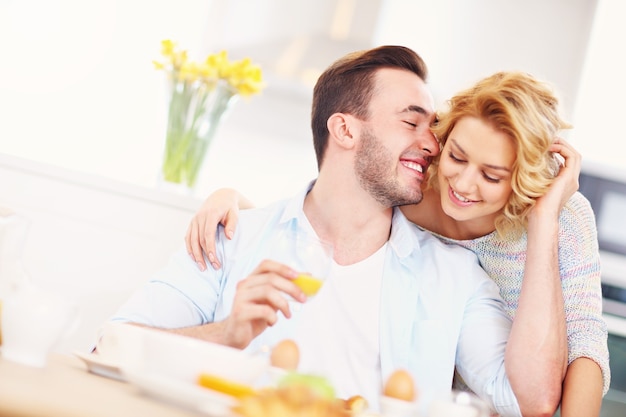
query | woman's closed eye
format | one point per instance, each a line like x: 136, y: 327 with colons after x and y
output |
x: 454, y: 158
x: 491, y: 179
x: 486, y: 176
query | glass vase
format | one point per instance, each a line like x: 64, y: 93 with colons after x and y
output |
x: 195, y: 112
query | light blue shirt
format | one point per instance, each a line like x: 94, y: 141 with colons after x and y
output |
x: 438, y: 308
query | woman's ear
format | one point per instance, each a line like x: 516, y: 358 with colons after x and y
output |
x: 342, y: 128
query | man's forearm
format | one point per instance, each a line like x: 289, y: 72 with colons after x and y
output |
x: 210, y: 332
x: 536, y: 355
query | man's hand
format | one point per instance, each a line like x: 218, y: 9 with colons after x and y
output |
x: 258, y: 300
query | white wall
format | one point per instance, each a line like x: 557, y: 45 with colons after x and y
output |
x: 463, y: 41
x: 77, y: 88
x: 600, y: 110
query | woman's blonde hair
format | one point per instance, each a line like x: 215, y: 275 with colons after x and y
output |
x: 526, y: 110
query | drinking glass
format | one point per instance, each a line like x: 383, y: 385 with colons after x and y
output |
x: 304, y: 252
x: 307, y: 254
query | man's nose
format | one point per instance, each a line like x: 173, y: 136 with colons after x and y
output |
x: 429, y: 143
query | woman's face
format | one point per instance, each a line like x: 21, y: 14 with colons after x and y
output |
x: 475, y: 172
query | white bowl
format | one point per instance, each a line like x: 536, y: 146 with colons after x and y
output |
x: 121, y: 344
x: 185, y: 358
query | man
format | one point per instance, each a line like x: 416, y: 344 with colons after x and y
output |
x: 396, y: 296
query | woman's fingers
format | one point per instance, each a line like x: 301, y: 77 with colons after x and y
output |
x: 230, y: 222
x: 207, y: 239
x: 571, y: 163
x: 571, y: 157
x: 566, y: 181
x: 193, y: 245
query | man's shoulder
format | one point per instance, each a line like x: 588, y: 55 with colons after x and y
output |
x: 426, y: 241
x: 444, y: 268
x: 269, y: 210
x: 422, y: 251
x: 429, y: 242
x: 253, y: 223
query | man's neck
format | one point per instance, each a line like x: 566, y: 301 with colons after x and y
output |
x: 351, y: 219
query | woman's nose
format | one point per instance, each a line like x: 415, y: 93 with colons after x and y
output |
x: 465, y: 181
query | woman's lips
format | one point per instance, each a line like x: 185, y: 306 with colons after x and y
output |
x: 458, y: 199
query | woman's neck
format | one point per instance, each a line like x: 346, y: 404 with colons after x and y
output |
x: 429, y: 215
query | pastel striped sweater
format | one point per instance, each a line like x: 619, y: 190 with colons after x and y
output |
x: 579, y: 265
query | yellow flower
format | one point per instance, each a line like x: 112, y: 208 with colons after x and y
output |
x: 175, y: 59
x: 167, y: 47
x: 189, y: 71
x: 243, y: 75
x: 246, y: 77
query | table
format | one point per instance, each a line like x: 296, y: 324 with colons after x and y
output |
x: 65, y: 388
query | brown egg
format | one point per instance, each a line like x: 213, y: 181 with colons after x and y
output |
x: 285, y: 355
x: 400, y: 385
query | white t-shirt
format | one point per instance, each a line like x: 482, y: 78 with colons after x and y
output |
x: 356, y: 364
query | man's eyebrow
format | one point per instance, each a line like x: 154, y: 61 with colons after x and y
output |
x: 497, y: 167
x: 417, y: 109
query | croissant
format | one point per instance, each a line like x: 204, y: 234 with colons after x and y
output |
x: 289, y: 401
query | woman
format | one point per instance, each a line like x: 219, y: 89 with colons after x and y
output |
x: 504, y: 188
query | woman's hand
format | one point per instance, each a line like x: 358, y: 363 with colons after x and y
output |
x: 221, y: 207
x: 565, y: 183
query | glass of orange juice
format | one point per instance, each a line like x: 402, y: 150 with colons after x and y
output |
x: 307, y: 254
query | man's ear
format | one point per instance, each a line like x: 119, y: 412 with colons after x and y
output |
x: 343, y: 130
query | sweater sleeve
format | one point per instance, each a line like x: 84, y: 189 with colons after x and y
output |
x: 579, y: 264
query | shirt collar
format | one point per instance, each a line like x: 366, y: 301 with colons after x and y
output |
x: 404, y: 235
x: 294, y: 210
x: 403, y: 238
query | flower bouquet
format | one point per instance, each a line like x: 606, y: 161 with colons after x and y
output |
x: 200, y: 95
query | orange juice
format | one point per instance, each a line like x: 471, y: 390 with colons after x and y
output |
x: 308, y: 284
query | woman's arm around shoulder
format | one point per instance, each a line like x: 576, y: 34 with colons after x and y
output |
x: 221, y: 207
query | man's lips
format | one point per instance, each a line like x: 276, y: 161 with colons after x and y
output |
x: 417, y: 165
x: 413, y: 165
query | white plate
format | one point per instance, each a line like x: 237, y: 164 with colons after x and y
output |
x: 100, y: 366
x: 182, y: 393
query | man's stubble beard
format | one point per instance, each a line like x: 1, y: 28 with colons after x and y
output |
x: 372, y: 162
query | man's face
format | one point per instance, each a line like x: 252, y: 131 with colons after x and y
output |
x: 396, y: 144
